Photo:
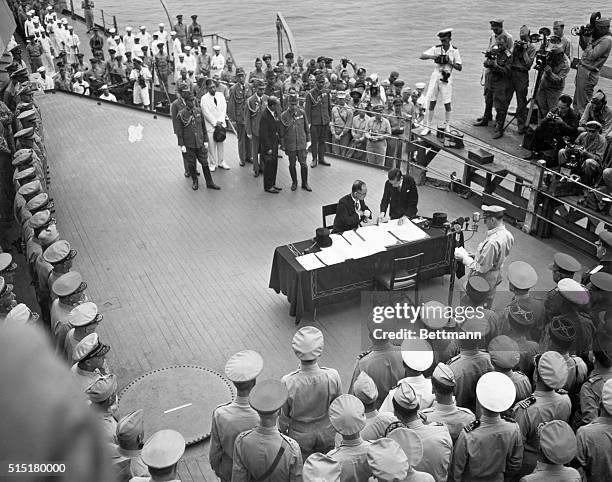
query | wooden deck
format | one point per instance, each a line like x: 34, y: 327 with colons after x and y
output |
x: 182, y: 276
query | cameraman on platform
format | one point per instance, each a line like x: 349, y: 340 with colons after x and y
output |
x: 555, y: 66
x: 522, y: 58
x: 588, y: 152
x: 596, y: 42
x: 498, y: 82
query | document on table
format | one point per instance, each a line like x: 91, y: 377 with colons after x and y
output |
x: 377, y: 235
x: 407, y: 231
x: 310, y: 262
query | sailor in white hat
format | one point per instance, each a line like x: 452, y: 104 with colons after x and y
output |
x: 264, y: 453
x: 217, y: 61
x: 347, y: 416
x: 90, y: 353
x: 491, y: 434
x: 492, y: 252
x: 418, y: 357
x: 103, y: 397
x: 162, y: 34
x: 144, y: 36
x: 444, y: 409
x: 107, y: 95
x: 312, y: 389
x: 161, y: 453
x: 232, y: 418
x: 437, y: 442
x: 321, y: 468
x: 595, y: 440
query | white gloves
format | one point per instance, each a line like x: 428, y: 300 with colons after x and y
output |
x: 367, y: 213
x: 462, y: 255
x: 183, y: 149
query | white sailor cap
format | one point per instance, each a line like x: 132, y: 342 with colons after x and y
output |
x: 321, y: 468
x: 495, y: 391
x: 173, y: 32
x: 347, y: 415
x: 244, y: 366
x: 308, y: 343
x: 445, y: 32
x: 419, y: 85
x: 105, y: 86
x: 142, y: 27
x: 160, y: 24
x: 216, y: 47
x: 163, y: 449
x: 78, y: 75
x: 111, y: 30
x: 41, y: 69
x: 128, y: 29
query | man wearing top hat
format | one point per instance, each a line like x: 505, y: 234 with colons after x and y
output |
x: 233, y: 418
x: 447, y: 58
x: 352, y: 209
x: 492, y: 252
x: 596, y: 48
x: 264, y: 453
x: 161, y: 454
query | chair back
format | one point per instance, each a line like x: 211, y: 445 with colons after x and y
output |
x: 329, y: 210
x: 405, y: 269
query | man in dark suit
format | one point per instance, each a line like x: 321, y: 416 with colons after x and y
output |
x: 268, y: 145
x: 352, y: 210
x: 400, y: 196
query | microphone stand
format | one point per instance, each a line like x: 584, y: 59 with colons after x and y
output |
x: 455, y: 236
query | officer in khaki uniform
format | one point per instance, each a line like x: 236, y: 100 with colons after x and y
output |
x: 59, y: 255
x: 505, y: 355
x: 84, y: 320
x: 347, y: 416
x: 548, y: 402
x: 91, y: 362
x: 604, y: 255
x: 444, y: 409
x: 236, y: 106
x: 595, y: 441
x: 102, y: 394
x: 7, y: 299
x: 69, y: 292
x: 492, y: 434
x: 320, y: 467
x: 318, y: 113
x: 232, y: 418
x: 264, y: 453
x: 161, y: 453
x: 127, y: 454
x: 437, y: 442
x: 557, y: 448
x: 312, y: 389
x: 562, y: 335
x: 394, y: 458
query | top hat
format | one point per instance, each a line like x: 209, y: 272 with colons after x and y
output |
x: 438, y: 220
x: 322, y: 238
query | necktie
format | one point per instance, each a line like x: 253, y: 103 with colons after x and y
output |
x: 356, y: 206
x: 215, y: 99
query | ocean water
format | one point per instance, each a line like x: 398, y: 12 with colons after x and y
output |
x: 382, y: 36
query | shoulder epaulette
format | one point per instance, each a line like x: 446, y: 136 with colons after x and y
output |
x: 466, y: 410
x: 472, y: 426
x: 519, y: 372
x: 561, y: 391
x: 427, y: 410
x: 361, y: 355
x: 241, y: 435
x: 393, y: 425
x: 508, y: 419
x: 455, y: 358
x: 594, y: 378
x: 222, y: 405
x: 528, y: 402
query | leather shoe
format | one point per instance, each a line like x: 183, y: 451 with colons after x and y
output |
x: 194, y: 186
x: 271, y: 190
x: 313, y: 164
x: 187, y: 174
x: 255, y: 173
x: 481, y: 123
x: 277, y: 188
x: 306, y: 187
x: 530, y: 157
x: 241, y: 163
x: 213, y: 186
x: 293, y: 186
x: 498, y: 133
x: 198, y: 173
x: 324, y: 163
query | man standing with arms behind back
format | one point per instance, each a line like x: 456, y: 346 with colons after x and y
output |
x: 295, y: 137
x: 318, y: 113
x: 268, y: 145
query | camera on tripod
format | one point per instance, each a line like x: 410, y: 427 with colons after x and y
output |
x: 586, y: 30
x: 542, y: 59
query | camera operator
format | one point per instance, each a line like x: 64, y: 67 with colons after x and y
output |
x: 446, y: 58
x: 498, y: 82
x: 558, y: 31
x: 598, y: 110
x: 522, y: 58
x: 596, y: 42
x: 498, y: 37
x: 555, y: 65
x: 560, y: 122
x: 589, y: 150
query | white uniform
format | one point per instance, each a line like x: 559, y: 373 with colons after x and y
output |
x: 217, y: 64
x: 128, y: 42
x: 214, y: 112
x: 110, y: 97
x: 72, y: 47
x: 177, y: 49
x: 47, y: 57
x: 437, y: 88
x: 141, y: 94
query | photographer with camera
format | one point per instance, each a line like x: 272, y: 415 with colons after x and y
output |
x: 446, y: 58
x: 586, y: 154
x: 598, y: 110
x: 523, y: 54
x: 596, y: 41
x: 498, y: 82
x: 555, y: 65
x: 558, y: 31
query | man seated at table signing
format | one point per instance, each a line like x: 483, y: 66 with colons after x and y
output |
x: 352, y: 211
x: 400, y: 197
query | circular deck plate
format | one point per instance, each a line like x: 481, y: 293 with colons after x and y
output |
x: 179, y: 397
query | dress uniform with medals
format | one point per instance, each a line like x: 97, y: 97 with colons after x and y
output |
x: 544, y: 405
x: 232, y: 418
x: 492, y: 252
x: 236, y: 106
x: 321, y: 468
x: 558, y: 447
x: 161, y: 453
x: 264, y: 453
x: 444, y: 409
x: 595, y: 441
x: 347, y: 416
x: 604, y: 254
x: 489, y: 448
x: 312, y: 389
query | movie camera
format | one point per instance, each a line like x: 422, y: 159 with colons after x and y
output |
x: 586, y: 30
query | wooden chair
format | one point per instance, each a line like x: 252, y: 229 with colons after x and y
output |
x: 329, y: 210
x: 404, y: 275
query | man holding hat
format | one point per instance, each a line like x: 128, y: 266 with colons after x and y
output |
x: 557, y: 447
x: 161, y: 453
x: 341, y: 124
x: 492, y: 252
x: 505, y: 355
x: 91, y: 362
x: 544, y: 405
x: 318, y: 113
x: 68, y: 291
x: 236, y: 109
x: 596, y: 48
x: 264, y: 453
x: 269, y: 138
x: 103, y: 397
x: 295, y: 137
x: 214, y: 110
x: 312, y: 389
x: 347, y: 416
x: 444, y: 409
x: 446, y: 58
x: 232, y: 418
x: 595, y: 441
x: 437, y: 442
x: 84, y: 320
x: 555, y: 70
x: 492, y: 434
x: 321, y: 468
x: 130, y: 440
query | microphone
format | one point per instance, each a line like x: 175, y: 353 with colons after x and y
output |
x: 460, y: 222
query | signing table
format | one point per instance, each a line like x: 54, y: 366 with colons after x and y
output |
x: 349, y: 266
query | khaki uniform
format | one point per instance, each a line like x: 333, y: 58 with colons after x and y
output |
x: 468, y: 367
x: 255, y: 451
x: 236, y: 106
x: 452, y: 416
x: 546, y: 472
x: 228, y: 421
x: 352, y: 455
x: 304, y: 416
x: 522, y: 385
x: 375, y: 428
x: 486, y: 450
x: 595, y: 449
x: 590, y: 396
x: 421, y: 386
x: 437, y: 448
